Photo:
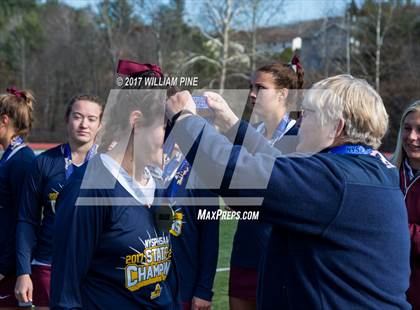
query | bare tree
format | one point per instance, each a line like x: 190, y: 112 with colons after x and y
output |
x: 260, y: 12
x: 148, y: 11
x: 217, y: 26
x: 329, y: 44
x: 348, y: 41
x: 226, y: 27
x: 374, y: 22
x: 381, y: 31
x: 116, y: 20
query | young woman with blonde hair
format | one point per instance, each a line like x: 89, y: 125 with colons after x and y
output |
x: 407, y: 159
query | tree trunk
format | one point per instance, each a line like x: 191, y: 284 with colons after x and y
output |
x: 225, y: 48
x: 324, y: 46
x: 23, y: 61
x: 254, y: 35
x: 378, y: 47
x: 348, y: 37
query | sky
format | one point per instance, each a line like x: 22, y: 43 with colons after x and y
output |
x: 294, y: 10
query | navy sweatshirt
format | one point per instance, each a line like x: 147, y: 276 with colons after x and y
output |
x: 37, y: 209
x: 12, y: 172
x: 340, y: 238
x: 108, y: 253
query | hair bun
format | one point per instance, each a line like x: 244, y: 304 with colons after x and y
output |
x: 296, y: 62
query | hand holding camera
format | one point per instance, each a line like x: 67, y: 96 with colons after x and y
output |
x: 211, y: 106
x: 224, y: 118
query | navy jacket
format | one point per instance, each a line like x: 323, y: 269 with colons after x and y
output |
x: 107, y: 250
x: 37, y: 209
x: 12, y: 172
x: 195, y: 243
x: 340, y: 238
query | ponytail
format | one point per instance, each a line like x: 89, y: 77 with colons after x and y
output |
x: 18, y: 106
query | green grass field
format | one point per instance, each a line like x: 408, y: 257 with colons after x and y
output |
x: 220, y: 299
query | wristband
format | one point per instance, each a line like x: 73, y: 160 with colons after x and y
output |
x: 178, y: 115
x: 170, y: 124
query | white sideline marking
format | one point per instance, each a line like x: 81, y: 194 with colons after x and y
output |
x: 222, y: 269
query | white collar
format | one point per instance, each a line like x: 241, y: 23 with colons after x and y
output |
x: 142, y: 193
x: 261, y: 129
x: 409, y: 170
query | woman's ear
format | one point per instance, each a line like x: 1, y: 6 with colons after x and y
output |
x: 283, y: 93
x: 4, y: 120
x: 135, y: 116
x: 339, y: 129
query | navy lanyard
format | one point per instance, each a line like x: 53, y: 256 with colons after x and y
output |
x: 168, y: 146
x: 168, y: 218
x: 68, y: 163
x: 180, y: 179
x: 357, y: 149
x: 15, y: 143
x: 171, y: 164
x: 176, y: 162
x: 351, y: 149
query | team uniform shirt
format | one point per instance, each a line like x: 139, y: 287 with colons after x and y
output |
x: 339, y: 236
x: 251, y: 236
x: 108, y: 252
x: 410, y: 186
x: 37, y: 207
x: 14, y: 164
x: 195, y: 242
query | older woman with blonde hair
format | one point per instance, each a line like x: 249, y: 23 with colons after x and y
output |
x: 407, y: 160
x: 339, y: 236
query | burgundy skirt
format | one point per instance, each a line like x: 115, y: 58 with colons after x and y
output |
x: 7, y: 292
x: 243, y: 283
x: 41, y: 279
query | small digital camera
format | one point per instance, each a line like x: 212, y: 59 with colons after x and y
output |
x: 203, y: 108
